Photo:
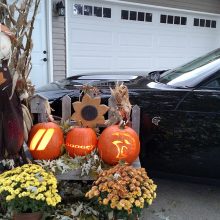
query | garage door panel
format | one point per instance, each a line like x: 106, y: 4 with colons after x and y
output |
x: 92, y: 50
x: 98, y: 43
x: 180, y: 41
x: 132, y: 63
x: 203, y: 41
x: 90, y: 63
x: 172, y: 61
x: 91, y: 37
x: 140, y: 40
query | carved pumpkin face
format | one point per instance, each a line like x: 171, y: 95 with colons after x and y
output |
x: 45, y: 141
x: 80, y: 141
x: 117, y: 144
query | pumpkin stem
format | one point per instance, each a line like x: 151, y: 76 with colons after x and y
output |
x: 81, y: 124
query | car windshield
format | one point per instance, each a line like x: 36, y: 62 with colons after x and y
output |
x: 185, y: 75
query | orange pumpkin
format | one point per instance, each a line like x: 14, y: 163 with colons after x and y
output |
x: 117, y: 144
x: 45, y: 141
x: 80, y: 141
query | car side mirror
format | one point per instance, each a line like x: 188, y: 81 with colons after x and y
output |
x: 155, y: 76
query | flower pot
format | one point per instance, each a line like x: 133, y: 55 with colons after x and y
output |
x: 28, y: 216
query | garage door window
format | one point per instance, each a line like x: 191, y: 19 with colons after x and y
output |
x: 201, y: 22
x: 133, y: 15
x: 124, y: 14
x: 136, y: 16
x: 148, y: 17
x: 89, y: 10
x: 141, y: 16
x: 78, y: 9
x: 213, y: 24
x: 170, y: 19
x: 177, y: 20
x: 107, y: 12
x: 98, y: 11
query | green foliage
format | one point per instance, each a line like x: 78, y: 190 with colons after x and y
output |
x: 28, y: 205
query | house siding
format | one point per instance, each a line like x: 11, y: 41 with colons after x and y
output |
x: 210, y: 6
x: 59, y: 46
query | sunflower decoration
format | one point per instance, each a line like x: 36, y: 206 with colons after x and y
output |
x: 89, y: 112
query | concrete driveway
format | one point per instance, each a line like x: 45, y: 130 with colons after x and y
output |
x: 184, y: 201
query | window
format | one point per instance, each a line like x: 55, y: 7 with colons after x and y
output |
x: 202, y: 23
x: 213, y: 24
x: 87, y: 10
x: 208, y: 23
x: 98, y: 11
x: 214, y: 84
x: 148, y: 17
x: 163, y: 19
x: 141, y: 16
x: 190, y: 73
x: 196, y: 21
x: 107, y: 12
x: 77, y: 9
x: 183, y: 20
x: 177, y: 20
x: 170, y: 19
x: 133, y: 15
x: 124, y: 14
x: 136, y: 16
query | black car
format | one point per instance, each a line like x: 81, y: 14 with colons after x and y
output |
x: 180, y: 116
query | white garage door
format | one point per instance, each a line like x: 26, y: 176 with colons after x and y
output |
x: 118, y: 37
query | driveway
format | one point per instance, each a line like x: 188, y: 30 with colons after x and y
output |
x: 184, y: 201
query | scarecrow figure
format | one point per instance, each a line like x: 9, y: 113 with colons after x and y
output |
x: 11, y: 119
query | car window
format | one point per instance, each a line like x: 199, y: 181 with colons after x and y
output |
x: 190, y: 70
x: 214, y: 84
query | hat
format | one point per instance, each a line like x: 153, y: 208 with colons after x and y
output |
x: 6, y: 31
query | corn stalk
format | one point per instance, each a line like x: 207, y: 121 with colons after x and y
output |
x: 19, y: 16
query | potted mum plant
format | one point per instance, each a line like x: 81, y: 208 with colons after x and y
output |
x: 123, y: 190
x: 28, y: 191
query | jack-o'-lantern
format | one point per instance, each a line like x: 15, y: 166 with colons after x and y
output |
x: 117, y: 144
x: 80, y: 141
x: 45, y: 141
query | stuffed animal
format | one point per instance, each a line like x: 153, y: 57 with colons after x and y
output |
x: 11, y: 118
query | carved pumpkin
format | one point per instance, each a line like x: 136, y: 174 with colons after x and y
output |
x: 117, y: 144
x: 45, y: 141
x: 80, y: 141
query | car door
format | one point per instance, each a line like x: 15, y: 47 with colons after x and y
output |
x: 197, y: 130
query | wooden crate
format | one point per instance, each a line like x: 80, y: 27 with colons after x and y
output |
x: 38, y: 106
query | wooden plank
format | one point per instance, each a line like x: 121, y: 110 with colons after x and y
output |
x: 66, y: 108
x: 74, y: 175
x: 37, y: 105
x: 42, y: 117
x: 136, y: 118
